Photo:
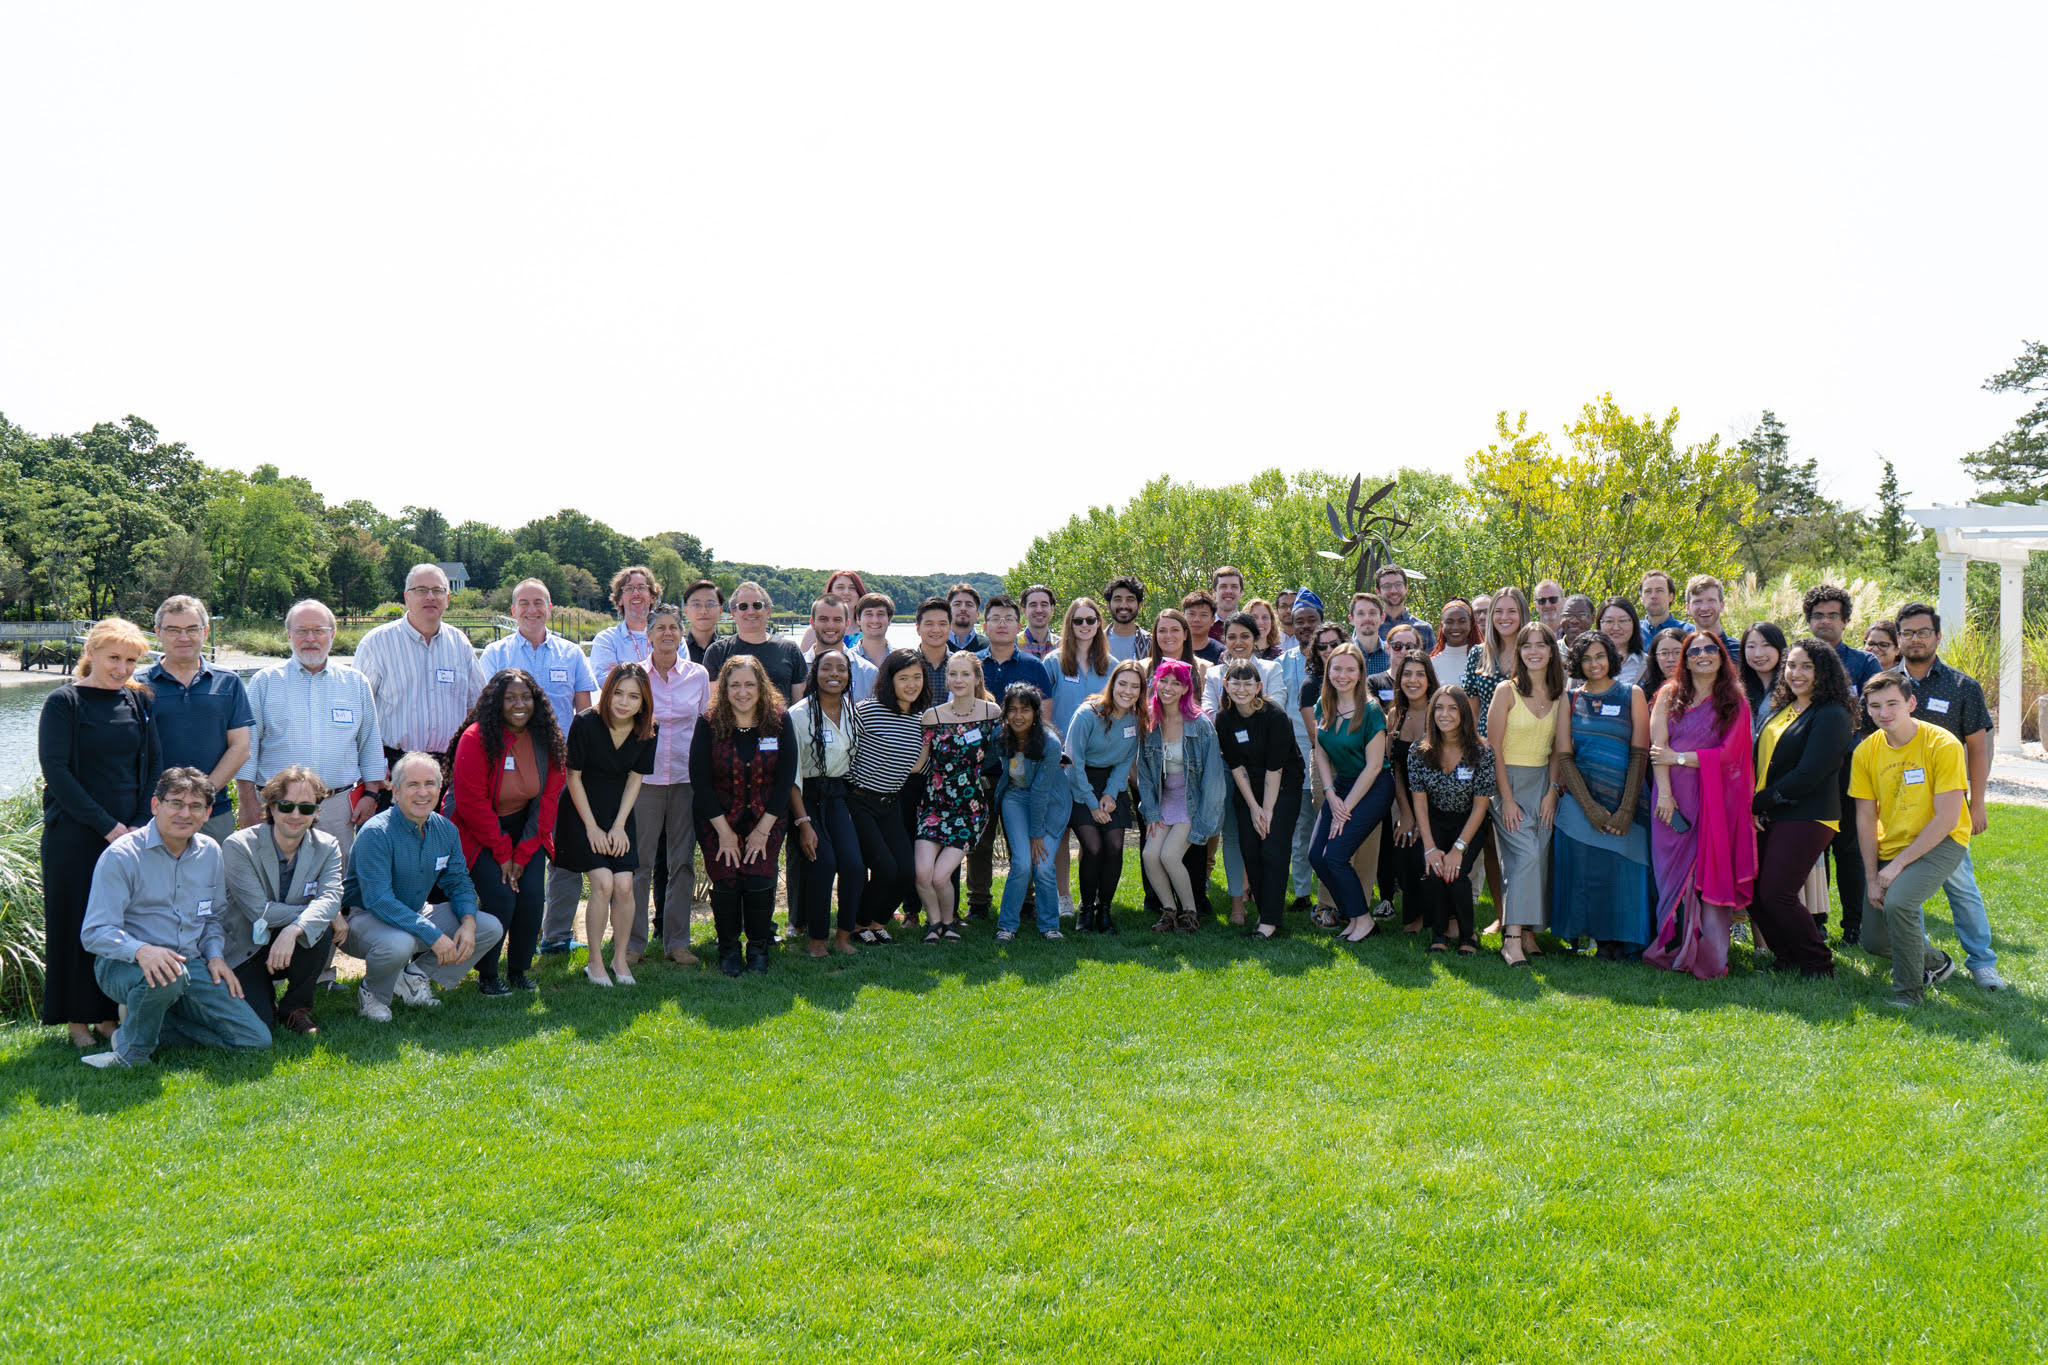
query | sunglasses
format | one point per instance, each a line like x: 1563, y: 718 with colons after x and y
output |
x: 1087, y: 620
x: 1548, y: 601
x: 750, y: 606
x: 1707, y: 653
x: 296, y: 807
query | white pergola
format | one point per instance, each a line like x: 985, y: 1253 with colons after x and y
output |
x: 2003, y: 534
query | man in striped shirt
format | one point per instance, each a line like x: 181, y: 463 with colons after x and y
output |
x: 425, y: 674
x: 319, y: 713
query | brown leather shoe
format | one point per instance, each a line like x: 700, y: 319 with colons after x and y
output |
x: 633, y: 959
x: 682, y: 957
x: 301, y: 1022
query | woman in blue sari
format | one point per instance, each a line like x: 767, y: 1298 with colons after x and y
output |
x: 1600, y: 860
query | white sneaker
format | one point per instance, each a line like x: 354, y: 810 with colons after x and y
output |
x: 103, y: 1060
x: 415, y: 990
x: 1988, y: 978
x: 1066, y: 907
x: 375, y: 1010
x: 1384, y: 910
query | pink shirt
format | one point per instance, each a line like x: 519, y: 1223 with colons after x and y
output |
x: 680, y: 697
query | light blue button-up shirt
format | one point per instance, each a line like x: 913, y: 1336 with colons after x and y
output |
x: 144, y: 896
x: 557, y: 665
x: 325, y: 720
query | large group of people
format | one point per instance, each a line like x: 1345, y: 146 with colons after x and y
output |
x: 1626, y: 782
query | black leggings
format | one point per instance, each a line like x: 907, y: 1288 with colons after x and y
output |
x: 1441, y: 901
x: 518, y: 909
x: 744, y: 903
x: 838, y: 858
x: 1265, y: 860
x: 1102, y: 857
x: 885, y: 852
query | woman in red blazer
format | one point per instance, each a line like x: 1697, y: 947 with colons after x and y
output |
x: 510, y: 764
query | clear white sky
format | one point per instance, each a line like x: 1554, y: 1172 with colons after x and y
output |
x: 788, y: 275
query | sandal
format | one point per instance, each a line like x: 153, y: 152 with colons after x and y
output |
x: 1511, y: 952
x: 1439, y: 944
x: 1468, y: 947
x: 935, y: 936
x: 952, y: 931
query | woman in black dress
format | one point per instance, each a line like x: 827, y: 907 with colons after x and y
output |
x: 611, y: 748
x: 98, y: 746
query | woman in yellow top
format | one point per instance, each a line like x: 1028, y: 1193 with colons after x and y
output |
x: 1521, y: 729
x: 1798, y: 802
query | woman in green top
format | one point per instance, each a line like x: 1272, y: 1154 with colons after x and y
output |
x: 1351, y: 763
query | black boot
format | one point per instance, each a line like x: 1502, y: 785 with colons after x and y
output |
x: 725, y: 915
x: 1105, y: 923
x: 759, y: 910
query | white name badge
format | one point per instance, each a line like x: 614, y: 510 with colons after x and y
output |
x: 1611, y: 709
x: 1938, y: 705
x: 1386, y: 694
x: 971, y: 736
x: 1130, y: 732
x: 1853, y: 690
x: 1244, y: 736
x: 1464, y: 773
x: 831, y: 736
x: 205, y: 909
x: 441, y: 863
x: 344, y: 715
x: 444, y: 675
x: 769, y: 746
x: 511, y: 764
x: 560, y: 675
x: 1913, y: 777
x: 312, y: 889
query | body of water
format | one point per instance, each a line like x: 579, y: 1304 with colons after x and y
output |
x: 22, y: 704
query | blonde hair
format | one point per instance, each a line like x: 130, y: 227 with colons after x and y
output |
x: 114, y: 630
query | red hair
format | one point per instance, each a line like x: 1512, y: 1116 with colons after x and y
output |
x: 1727, y: 695
x: 860, y: 589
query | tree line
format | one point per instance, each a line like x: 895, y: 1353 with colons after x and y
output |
x: 115, y: 519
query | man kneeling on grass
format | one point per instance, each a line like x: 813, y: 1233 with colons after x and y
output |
x: 1909, y: 780
x: 401, y: 857
x: 157, y: 897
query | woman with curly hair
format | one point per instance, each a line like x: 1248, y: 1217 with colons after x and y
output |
x: 1600, y: 860
x: 510, y: 764
x: 1798, y: 803
x: 1703, y: 844
x: 742, y: 765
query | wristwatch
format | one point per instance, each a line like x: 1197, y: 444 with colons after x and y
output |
x: 1460, y: 845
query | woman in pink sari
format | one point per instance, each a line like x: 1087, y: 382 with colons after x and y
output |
x: 1702, y: 843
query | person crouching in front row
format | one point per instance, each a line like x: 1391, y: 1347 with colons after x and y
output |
x: 284, y: 895
x: 401, y: 856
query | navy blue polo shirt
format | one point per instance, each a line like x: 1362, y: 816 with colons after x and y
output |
x: 1020, y: 667
x: 193, y: 722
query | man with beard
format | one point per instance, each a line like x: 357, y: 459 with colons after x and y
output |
x: 1127, y: 639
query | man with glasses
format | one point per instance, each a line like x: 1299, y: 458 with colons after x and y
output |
x: 1392, y: 582
x: 424, y: 673
x: 1550, y: 604
x: 1827, y: 609
x: 1576, y: 618
x: 314, y: 712
x: 1955, y: 702
x: 703, y: 606
x: 202, y: 712
x: 153, y: 925
x: 635, y: 590
x: 782, y: 660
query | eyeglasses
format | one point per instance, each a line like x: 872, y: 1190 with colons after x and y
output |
x: 427, y: 590
x: 181, y: 632
x: 750, y: 606
x: 311, y: 632
x: 1919, y: 633
x: 1087, y: 620
x: 296, y: 807
x: 186, y: 807
x: 1548, y: 601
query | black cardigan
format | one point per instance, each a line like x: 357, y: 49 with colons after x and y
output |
x: 1803, y: 783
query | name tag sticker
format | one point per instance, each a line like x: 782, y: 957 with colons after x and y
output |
x: 1244, y: 736
x: 1386, y: 694
x: 1130, y: 732
x: 511, y: 764
x: 771, y: 745
x: 444, y: 675
x: 441, y: 863
x: 831, y: 736
x: 312, y: 889
x: 971, y: 736
x: 1611, y: 709
x: 1913, y: 777
x: 560, y: 675
x: 1464, y: 773
x: 205, y: 909
x: 344, y: 715
x: 1854, y: 691
x: 1938, y: 705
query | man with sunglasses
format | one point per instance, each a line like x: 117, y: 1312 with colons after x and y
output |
x: 1954, y: 701
x: 424, y: 674
x: 153, y: 926
x: 781, y: 659
x: 1550, y: 604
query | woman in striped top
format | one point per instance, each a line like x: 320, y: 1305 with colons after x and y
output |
x: 889, y: 749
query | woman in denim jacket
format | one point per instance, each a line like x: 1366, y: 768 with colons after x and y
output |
x: 1034, y: 800
x: 1180, y: 791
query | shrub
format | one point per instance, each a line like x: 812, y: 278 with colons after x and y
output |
x: 21, y: 902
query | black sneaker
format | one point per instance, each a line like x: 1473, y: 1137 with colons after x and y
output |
x: 1947, y: 969
x: 520, y: 981
x: 491, y: 985
x: 730, y: 962
x: 1299, y: 905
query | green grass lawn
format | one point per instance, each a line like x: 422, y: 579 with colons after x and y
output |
x: 1144, y: 1148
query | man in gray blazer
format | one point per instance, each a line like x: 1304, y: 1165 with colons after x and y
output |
x: 284, y: 894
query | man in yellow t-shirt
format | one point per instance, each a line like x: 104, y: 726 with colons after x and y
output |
x: 1910, y: 781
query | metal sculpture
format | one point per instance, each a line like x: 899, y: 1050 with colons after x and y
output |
x: 1368, y: 532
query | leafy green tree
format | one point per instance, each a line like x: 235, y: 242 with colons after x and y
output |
x: 669, y: 570
x: 1788, y: 521
x: 2017, y: 462
x: 177, y: 561
x: 483, y: 549
x: 690, y: 549
x: 359, y: 514
x: 264, y: 543
x: 1891, y: 513
x: 354, y: 572
x: 570, y: 537
x: 429, y: 529
x: 399, y: 557
x: 583, y: 588
x: 535, y: 564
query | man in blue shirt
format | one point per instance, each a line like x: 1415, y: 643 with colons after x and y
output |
x: 402, y: 856
x: 964, y: 602
x: 1367, y: 611
x: 203, y: 715
x: 1827, y: 609
x: 1657, y: 591
x: 1704, y: 598
x: 1002, y: 663
x: 1393, y: 585
x: 158, y: 894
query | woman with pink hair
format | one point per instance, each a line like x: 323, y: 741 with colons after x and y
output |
x: 1180, y: 792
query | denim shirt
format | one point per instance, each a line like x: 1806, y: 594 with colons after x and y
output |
x: 1204, y: 769
x: 1293, y: 673
x: 1043, y: 786
x: 395, y: 863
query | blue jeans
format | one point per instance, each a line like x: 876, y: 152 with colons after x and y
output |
x: 1330, y: 854
x: 1017, y: 833
x: 1966, y: 907
x: 192, y: 1011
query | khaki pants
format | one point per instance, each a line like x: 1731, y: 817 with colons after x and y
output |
x: 1894, y: 933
